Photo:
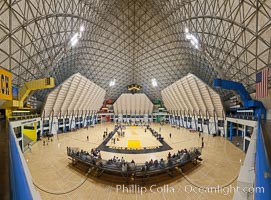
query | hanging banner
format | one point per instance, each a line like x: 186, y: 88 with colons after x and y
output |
x: 15, y: 93
x: 5, y: 85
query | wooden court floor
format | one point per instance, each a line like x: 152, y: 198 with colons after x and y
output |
x: 51, y: 171
x: 135, y: 137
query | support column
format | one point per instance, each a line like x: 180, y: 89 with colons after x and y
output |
x: 52, y: 122
x: 244, y: 136
x: 231, y: 131
x: 196, y: 126
x: 201, y: 124
x: 208, y: 122
x: 215, y: 123
x: 181, y: 119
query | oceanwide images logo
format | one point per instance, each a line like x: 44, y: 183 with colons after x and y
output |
x: 138, y: 189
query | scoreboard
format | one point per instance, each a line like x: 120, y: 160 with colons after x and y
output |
x: 5, y: 85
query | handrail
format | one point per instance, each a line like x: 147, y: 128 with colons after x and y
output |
x: 262, y: 168
x: 15, y: 118
x: 20, y: 178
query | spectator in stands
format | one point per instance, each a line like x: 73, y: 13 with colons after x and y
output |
x: 110, y: 161
x: 84, y: 157
x: 131, y: 166
x: 147, y: 166
x: 124, y: 167
x: 94, y: 154
x: 174, y: 155
x: 162, y: 163
x: 122, y: 160
x: 155, y: 163
x: 169, y: 155
x: 170, y: 163
x: 151, y: 162
x: 132, y: 161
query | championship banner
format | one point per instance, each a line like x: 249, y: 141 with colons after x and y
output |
x: 5, y: 85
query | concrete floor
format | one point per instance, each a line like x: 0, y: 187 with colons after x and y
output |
x: 52, y: 172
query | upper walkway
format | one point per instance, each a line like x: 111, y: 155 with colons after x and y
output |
x: 4, y: 164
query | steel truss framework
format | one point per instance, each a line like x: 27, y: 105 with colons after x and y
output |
x: 134, y: 41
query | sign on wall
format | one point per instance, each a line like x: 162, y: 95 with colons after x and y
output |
x: 5, y: 85
x: 15, y: 93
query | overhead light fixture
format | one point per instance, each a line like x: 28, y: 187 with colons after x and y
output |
x: 188, y: 36
x: 112, y: 83
x: 74, y: 39
x: 193, y: 40
x: 73, y: 43
x: 154, y: 82
x: 82, y: 28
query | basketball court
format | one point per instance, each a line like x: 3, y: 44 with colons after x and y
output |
x: 134, y: 137
x: 52, y: 172
x: 103, y: 99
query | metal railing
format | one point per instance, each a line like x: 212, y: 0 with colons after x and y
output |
x: 138, y: 169
x: 21, y: 184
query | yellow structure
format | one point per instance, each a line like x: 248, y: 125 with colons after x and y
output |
x: 35, y: 85
x: 25, y: 91
x: 134, y: 87
x: 30, y: 131
x: 5, y: 85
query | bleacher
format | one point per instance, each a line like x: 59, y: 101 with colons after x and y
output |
x: 132, y: 170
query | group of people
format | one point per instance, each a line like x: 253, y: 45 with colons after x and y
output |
x: 156, y: 134
x: 105, y: 134
x: 46, y: 142
x: 181, y: 156
x: 94, y: 157
x: 121, y: 163
x: 96, y: 153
